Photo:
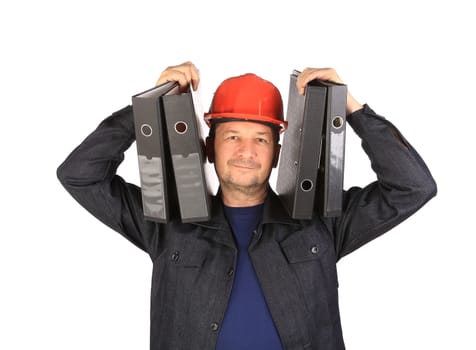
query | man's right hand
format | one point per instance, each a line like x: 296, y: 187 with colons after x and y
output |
x: 184, y: 74
x: 330, y: 74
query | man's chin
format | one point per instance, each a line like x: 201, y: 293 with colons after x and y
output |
x: 244, y: 186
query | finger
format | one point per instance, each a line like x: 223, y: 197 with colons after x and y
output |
x: 186, y: 69
x: 310, y: 74
x: 306, y: 76
x: 174, y: 75
x: 195, y: 77
x: 183, y: 79
x: 327, y: 74
x: 191, y: 73
x: 185, y: 73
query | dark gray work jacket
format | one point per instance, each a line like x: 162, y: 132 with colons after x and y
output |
x: 295, y: 261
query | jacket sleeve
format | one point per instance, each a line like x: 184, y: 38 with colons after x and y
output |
x: 404, y: 184
x: 89, y: 175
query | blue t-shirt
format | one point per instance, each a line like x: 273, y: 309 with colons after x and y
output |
x: 247, y: 324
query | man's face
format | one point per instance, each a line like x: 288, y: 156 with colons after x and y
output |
x: 244, y: 154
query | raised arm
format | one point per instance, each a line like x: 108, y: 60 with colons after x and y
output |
x: 404, y: 183
x: 89, y: 172
x: 89, y: 175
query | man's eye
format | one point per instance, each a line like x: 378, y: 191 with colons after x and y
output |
x: 232, y: 137
x: 261, y: 140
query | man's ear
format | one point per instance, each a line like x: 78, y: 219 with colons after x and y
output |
x: 276, y: 155
x: 210, y: 150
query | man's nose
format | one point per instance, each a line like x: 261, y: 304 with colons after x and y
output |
x: 247, y: 148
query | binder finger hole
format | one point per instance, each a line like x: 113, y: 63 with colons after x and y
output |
x: 146, y: 130
x: 337, y: 122
x: 181, y: 127
x: 306, y: 185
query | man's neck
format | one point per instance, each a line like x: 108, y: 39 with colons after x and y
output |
x: 236, y: 198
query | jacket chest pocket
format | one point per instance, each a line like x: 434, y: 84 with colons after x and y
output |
x: 176, y: 273
x: 186, y: 256
x: 312, y: 260
x: 176, y: 290
x: 311, y: 264
x: 179, y: 265
x: 304, y: 246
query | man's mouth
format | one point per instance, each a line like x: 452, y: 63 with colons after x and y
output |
x: 244, y: 164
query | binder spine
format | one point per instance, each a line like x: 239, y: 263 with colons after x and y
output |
x: 335, y: 151
x: 297, y: 173
x: 187, y: 151
x: 311, y: 132
x: 150, y: 147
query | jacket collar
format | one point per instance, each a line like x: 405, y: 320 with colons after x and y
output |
x: 273, y: 212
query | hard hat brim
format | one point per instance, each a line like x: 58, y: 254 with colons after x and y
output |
x: 246, y: 117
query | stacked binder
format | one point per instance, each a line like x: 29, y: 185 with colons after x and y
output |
x: 171, y: 155
x: 311, y: 169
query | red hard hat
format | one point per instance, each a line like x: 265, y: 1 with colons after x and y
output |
x: 247, y: 97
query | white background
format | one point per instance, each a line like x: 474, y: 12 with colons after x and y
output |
x: 69, y: 282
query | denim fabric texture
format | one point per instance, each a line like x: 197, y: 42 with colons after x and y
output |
x: 295, y: 260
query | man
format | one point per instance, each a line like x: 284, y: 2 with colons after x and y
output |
x: 251, y: 277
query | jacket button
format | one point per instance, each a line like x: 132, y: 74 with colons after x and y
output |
x: 175, y: 256
x: 230, y: 272
x: 314, y: 249
x: 214, y: 326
